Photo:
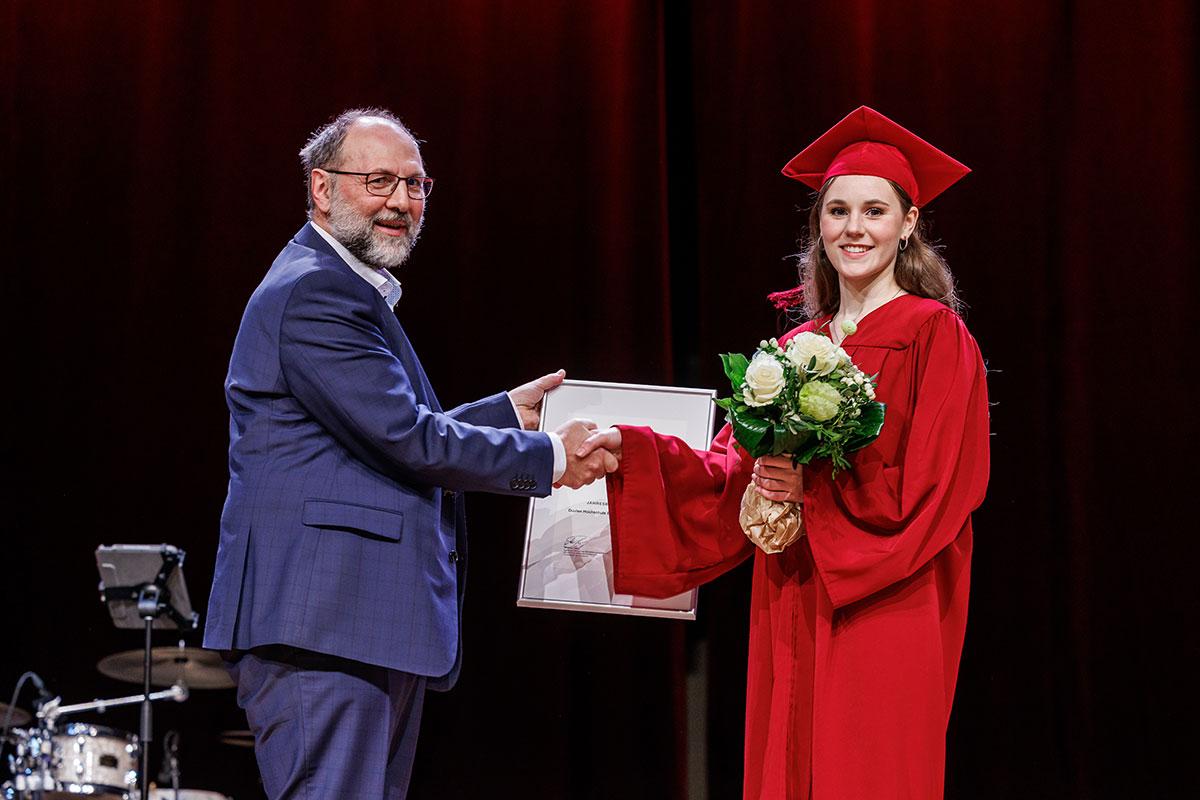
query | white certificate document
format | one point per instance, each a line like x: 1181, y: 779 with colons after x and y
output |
x: 568, y: 548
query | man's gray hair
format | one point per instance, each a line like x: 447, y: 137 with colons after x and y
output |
x: 324, y: 147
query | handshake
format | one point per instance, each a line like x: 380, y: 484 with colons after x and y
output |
x: 591, y: 453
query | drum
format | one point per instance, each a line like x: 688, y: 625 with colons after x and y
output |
x: 92, y: 760
x: 30, y: 763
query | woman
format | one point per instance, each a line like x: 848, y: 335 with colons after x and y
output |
x: 857, y: 628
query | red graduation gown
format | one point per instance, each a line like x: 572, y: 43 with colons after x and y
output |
x: 856, y: 630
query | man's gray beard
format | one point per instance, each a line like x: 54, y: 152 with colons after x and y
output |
x: 357, y: 234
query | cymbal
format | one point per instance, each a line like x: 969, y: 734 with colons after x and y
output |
x: 196, y: 668
x: 19, y: 715
x: 237, y: 738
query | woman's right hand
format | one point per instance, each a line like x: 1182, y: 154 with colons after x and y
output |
x: 609, y: 439
x: 776, y: 479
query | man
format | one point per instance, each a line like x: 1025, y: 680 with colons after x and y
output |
x: 338, y: 585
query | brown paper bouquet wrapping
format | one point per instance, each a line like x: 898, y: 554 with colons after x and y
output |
x: 772, y: 526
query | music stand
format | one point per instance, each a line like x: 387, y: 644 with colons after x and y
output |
x: 143, y: 586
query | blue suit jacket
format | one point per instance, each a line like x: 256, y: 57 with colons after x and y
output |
x: 343, y: 531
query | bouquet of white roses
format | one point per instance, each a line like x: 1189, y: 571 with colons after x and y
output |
x: 806, y: 399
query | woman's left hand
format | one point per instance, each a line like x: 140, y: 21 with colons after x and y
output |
x: 776, y: 479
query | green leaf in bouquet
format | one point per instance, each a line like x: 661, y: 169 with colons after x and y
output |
x: 787, y: 440
x: 735, y: 365
x: 754, y: 434
x: 801, y: 423
x: 870, y: 423
x: 807, y: 451
x: 727, y: 403
x: 781, y: 438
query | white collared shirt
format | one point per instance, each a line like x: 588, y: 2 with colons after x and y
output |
x: 383, y: 281
x: 387, y: 286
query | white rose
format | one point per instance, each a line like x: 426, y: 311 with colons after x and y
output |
x: 808, y: 345
x: 764, y: 380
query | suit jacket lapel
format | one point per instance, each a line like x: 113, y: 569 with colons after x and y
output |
x: 392, y: 330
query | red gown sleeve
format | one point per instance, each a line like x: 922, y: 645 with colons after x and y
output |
x: 674, y: 512
x: 880, y: 522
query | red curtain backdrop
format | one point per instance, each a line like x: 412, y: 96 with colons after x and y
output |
x: 609, y: 201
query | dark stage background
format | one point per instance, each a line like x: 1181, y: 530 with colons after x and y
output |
x: 609, y: 201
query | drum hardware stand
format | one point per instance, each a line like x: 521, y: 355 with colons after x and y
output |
x: 38, y: 774
x: 178, y: 693
x: 32, y: 766
x: 154, y: 599
x: 37, y: 777
x: 170, y: 770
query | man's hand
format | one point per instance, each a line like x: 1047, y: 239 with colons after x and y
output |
x: 776, y: 479
x: 528, y: 398
x: 582, y: 470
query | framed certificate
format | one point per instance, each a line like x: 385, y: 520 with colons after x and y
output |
x: 568, y: 548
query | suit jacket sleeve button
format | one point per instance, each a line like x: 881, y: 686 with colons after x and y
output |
x: 453, y: 556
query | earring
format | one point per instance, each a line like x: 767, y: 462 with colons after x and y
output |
x: 903, y: 244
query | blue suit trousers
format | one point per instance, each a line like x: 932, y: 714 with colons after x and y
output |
x: 328, y: 727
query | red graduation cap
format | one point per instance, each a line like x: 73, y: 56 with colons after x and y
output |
x: 868, y: 143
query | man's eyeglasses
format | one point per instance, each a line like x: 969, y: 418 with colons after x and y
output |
x: 384, y: 184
